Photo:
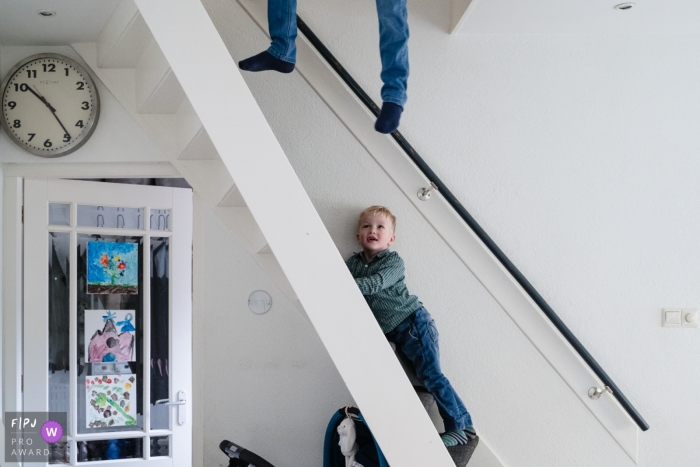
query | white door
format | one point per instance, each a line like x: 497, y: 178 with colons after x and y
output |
x: 108, y: 319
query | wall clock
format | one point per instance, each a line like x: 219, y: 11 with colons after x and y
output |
x: 50, y: 105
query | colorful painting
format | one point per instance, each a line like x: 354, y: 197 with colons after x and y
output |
x: 111, y: 400
x: 110, y: 336
x: 112, y: 268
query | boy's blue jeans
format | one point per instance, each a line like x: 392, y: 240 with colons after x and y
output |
x: 417, y: 338
x: 393, y: 41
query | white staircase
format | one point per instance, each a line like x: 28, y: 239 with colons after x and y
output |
x: 128, y: 60
x: 166, y: 64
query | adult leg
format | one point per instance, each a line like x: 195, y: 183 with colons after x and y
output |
x: 393, y: 49
x: 420, y: 344
x: 282, y: 24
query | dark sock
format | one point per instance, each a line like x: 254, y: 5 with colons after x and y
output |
x: 389, y: 116
x: 264, y: 61
x: 458, y: 438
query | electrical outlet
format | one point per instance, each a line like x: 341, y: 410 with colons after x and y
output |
x: 689, y: 317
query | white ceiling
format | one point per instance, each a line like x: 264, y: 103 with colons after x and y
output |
x: 75, y: 21
x: 582, y: 17
x: 83, y: 20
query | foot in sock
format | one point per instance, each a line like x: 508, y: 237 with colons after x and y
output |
x: 264, y: 61
x: 389, y: 116
x: 457, y: 438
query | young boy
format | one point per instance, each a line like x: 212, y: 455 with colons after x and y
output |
x: 379, y: 274
x: 393, y: 49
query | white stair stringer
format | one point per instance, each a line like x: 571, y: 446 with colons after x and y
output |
x: 458, y: 235
x: 286, y: 218
x: 181, y: 135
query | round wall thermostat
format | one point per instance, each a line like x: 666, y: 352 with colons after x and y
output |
x: 259, y: 302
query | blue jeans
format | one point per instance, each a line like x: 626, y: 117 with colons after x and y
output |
x: 393, y: 42
x: 417, y: 338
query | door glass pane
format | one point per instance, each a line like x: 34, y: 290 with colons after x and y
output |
x: 59, y: 453
x: 59, y: 214
x: 160, y: 219
x: 108, y: 449
x: 160, y: 446
x: 59, y: 323
x: 110, y: 217
x: 160, y: 332
x: 110, y: 333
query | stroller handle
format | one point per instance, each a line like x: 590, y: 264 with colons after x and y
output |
x: 235, y: 451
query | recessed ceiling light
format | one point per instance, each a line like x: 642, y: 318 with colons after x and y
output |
x: 46, y: 13
x: 625, y: 6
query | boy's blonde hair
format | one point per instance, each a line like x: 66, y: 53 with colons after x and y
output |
x: 372, y: 210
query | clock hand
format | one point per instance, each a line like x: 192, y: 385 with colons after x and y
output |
x: 53, y: 111
x: 41, y: 98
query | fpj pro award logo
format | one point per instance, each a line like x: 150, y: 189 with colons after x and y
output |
x: 29, y: 435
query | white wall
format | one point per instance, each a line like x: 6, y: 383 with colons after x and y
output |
x: 264, y: 382
x: 578, y: 155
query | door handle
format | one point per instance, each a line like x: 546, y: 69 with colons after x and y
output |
x: 180, y: 402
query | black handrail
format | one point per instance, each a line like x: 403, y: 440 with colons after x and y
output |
x: 490, y: 244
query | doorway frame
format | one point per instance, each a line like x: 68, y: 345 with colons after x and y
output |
x: 12, y: 271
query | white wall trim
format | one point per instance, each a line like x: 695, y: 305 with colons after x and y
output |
x: 461, y: 239
x: 91, y: 170
x: 12, y: 294
x: 198, y: 363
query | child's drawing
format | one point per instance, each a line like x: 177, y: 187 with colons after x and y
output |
x: 110, y: 336
x: 111, y: 400
x: 112, y: 268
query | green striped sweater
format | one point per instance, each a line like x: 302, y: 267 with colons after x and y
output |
x: 381, y: 281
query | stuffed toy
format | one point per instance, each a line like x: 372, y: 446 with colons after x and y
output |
x: 347, y: 443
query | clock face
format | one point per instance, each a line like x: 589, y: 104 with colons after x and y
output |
x: 50, y: 105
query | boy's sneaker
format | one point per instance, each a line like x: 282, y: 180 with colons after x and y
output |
x: 458, y: 438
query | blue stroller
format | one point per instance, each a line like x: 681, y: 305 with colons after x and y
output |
x: 368, y: 455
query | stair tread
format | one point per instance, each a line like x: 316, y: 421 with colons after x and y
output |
x: 425, y: 397
x: 461, y: 454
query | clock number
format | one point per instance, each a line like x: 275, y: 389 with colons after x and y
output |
x: 86, y: 105
x: 66, y: 71
x: 80, y: 85
x: 12, y: 104
x: 16, y: 124
x: 31, y: 73
x: 23, y: 87
x: 31, y: 136
x: 66, y: 138
x: 48, y: 143
x: 80, y: 124
x: 51, y: 68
